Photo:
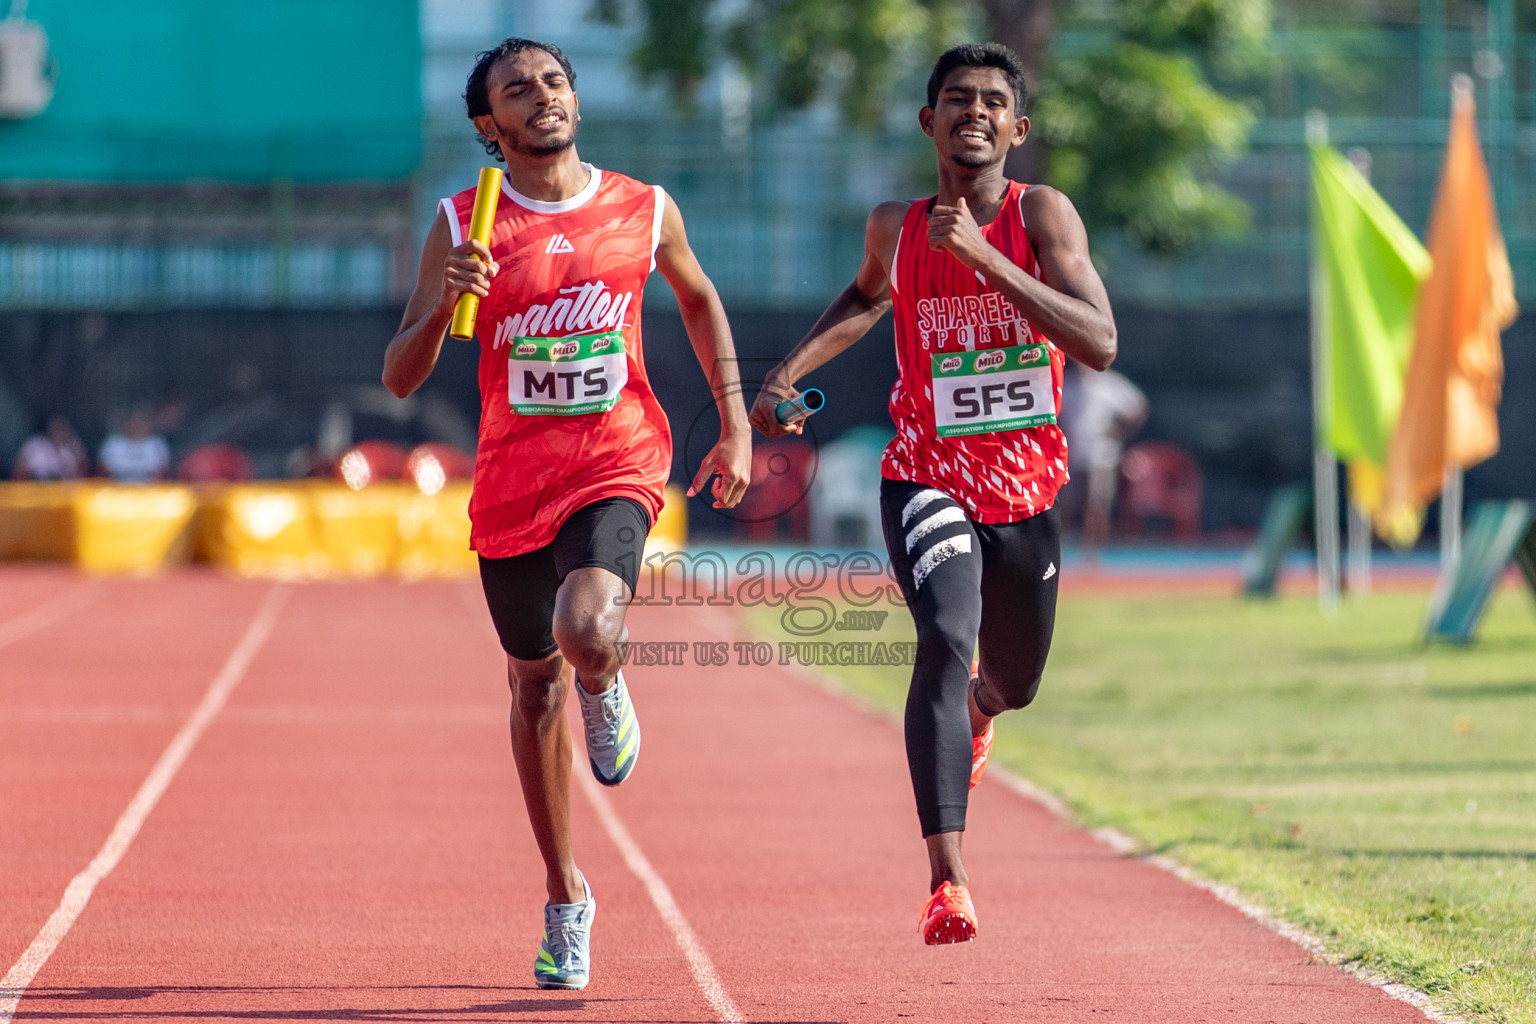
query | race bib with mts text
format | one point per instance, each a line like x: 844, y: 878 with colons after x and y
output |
x: 994, y: 389
x: 566, y: 376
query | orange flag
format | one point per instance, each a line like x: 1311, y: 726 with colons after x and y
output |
x: 1456, y: 370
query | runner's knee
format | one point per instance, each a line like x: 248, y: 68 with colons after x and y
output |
x: 586, y: 639
x: 936, y: 646
x: 537, y: 695
x: 1010, y: 695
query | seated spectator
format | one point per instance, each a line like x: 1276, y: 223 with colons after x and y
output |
x: 135, y: 455
x: 54, y: 454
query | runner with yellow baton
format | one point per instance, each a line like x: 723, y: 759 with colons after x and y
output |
x: 486, y: 194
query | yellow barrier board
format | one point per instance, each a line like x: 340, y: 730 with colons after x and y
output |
x: 261, y: 530
x: 37, y: 521
x: 359, y: 531
x: 434, y: 534
x: 307, y: 529
x: 132, y: 528
x: 671, y: 530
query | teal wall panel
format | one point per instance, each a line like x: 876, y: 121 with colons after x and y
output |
x: 165, y: 90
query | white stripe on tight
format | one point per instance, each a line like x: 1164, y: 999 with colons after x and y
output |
x: 687, y: 940
x: 14, y: 985
x: 943, y: 517
x: 938, y: 555
x: 920, y: 501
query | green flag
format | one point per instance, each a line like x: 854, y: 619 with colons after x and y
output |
x: 1368, y: 270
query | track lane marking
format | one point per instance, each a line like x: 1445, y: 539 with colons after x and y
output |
x: 1128, y: 847
x: 253, y: 714
x: 702, y: 968
x: 45, y: 615
x: 688, y: 943
x: 78, y: 893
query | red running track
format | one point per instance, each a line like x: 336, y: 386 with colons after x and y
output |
x: 346, y: 842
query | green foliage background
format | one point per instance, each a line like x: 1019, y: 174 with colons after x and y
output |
x: 1136, y: 132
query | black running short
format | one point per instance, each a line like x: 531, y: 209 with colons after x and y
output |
x: 520, y: 590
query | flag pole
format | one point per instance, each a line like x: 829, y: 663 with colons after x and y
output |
x: 1450, y: 522
x: 1358, y: 546
x: 1325, y: 473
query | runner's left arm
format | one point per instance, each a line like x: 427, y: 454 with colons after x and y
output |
x: 710, y: 334
x: 850, y: 316
x: 1068, y: 304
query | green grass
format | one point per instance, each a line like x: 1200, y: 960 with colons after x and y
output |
x: 1379, y: 794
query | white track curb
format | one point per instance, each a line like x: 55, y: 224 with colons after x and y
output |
x: 1128, y: 847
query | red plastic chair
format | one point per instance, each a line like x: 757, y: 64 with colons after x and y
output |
x: 368, y: 461
x: 431, y: 465
x: 779, y: 492
x: 1159, y: 480
x: 210, y: 462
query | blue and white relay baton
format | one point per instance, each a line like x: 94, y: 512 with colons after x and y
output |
x: 802, y: 405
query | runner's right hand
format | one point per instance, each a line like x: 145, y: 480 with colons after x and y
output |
x: 464, y: 272
x: 765, y: 411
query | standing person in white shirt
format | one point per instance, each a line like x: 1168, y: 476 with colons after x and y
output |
x: 1105, y: 412
x: 136, y: 454
x: 53, y: 454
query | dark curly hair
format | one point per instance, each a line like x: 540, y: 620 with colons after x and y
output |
x: 980, y: 55
x: 477, y: 97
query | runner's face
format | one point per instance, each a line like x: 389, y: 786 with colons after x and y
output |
x: 974, y: 123
x: 533, y: 107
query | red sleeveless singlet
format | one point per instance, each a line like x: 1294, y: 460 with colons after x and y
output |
x: 567, y: 413
x: 989, y: 440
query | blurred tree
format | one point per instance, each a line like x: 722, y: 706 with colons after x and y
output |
x: 1134, y: 132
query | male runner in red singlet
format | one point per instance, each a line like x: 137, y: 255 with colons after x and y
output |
x: 992, y: 287
x: 574, y: 447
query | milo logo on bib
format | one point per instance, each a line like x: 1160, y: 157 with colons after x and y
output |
x: 991, y: 390
x: 566, y: 376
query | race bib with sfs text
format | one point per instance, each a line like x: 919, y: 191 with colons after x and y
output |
x: 566, y: 376
x: 991, y: 390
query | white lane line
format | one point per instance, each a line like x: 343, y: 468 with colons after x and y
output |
x: 702, y: 968
x: 1128, y: 847
x: 14, y: 985
x: 45, y: 615
x: 687, y: 939
x: 249, y: 714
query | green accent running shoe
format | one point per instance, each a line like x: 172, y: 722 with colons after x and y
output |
x: 564, y: 953
x: 613, y: 731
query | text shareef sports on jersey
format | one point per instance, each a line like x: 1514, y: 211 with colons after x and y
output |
x: 971, y: 320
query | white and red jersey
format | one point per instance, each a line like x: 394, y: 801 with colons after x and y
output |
x: 567, y: 415
x: 990, y: 439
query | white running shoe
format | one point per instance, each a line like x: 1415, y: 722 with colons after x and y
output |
x: 613, y: 731
x: 564, y: 953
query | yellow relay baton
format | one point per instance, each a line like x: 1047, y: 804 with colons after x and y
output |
x: 486, y: 193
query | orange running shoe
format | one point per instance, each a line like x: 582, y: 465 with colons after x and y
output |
x: 981, y: 746
x: 948, y: 916
x: 981, y: 749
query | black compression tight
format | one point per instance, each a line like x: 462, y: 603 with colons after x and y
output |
x: 987, y: 588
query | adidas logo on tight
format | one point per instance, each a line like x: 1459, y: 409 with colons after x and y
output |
x: 1049, y: 571
x: 559, y: 244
